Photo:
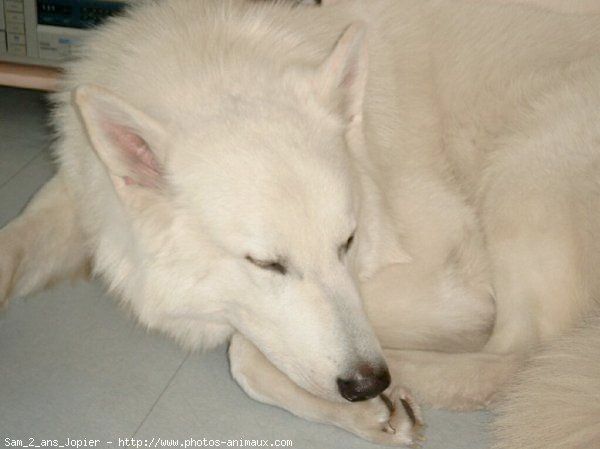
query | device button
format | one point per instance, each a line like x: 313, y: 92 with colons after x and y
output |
x: 13, y: 5
x: 18, y: 50
x: 12, y: 27
x: 16, y: 38
x: 15, y: 17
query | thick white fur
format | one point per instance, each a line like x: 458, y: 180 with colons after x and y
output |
x: 468, y: 165
x: 570, y: 7
x: 553, y: 403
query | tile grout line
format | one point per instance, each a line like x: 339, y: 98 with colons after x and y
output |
x: 160, y: 395
x: 23, y: 167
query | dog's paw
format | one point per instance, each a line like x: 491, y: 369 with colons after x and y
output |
x: 392, y: 419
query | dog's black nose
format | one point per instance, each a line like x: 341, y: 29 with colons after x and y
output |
x: 366, y: 382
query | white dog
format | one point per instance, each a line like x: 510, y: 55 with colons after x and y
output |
x: 275, y: 176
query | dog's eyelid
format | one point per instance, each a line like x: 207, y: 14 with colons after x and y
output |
x: 345, y: 247
x: 277, y: 265
x: 350, y: 240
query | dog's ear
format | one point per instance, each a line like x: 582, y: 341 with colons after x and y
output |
x: 127, y: 141
x: 341, y: 79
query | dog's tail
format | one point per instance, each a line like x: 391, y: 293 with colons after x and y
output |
x: 554, y: 402
x: 42, y: 245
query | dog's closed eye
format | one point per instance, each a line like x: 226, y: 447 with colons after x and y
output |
x: 345, y: 247
x: 272, y: 265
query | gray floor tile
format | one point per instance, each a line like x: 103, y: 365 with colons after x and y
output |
x: 15, y: 193
x: 457, y: 430
x: 23, y: 130
x: 73, y: 365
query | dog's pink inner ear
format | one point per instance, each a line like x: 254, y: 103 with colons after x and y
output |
x: 135, y: 153
x: 341, y: 78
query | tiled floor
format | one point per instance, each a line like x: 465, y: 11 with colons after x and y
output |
x: 72, y: 365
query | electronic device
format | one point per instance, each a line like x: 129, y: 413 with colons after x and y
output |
x: 47, y: 32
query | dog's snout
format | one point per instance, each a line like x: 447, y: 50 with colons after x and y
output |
x: 366, y: 382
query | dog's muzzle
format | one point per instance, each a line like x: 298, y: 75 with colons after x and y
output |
x: 366, y: 382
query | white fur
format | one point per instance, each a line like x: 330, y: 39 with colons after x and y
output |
x: 553, y: 403
x: 459, y: 139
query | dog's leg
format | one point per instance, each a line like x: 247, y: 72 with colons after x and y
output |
x: 43, y: 244
x: 395, y: 420
x: 443, y: 328
x: 459, y: 381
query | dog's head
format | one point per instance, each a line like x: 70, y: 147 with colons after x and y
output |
x: 252, y: 216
